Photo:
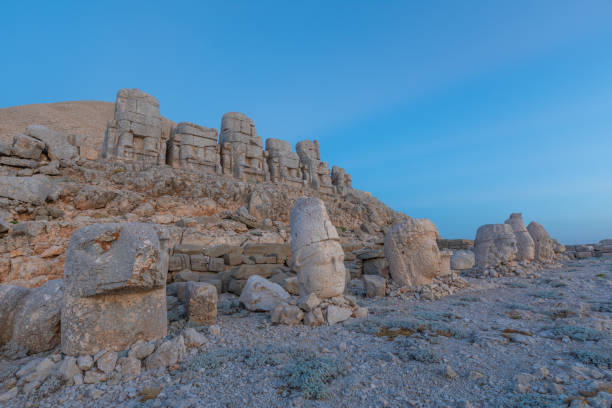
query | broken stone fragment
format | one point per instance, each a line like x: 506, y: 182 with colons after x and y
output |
x: 286, y: 314
x: 261, y: 295
x: 201, y: 302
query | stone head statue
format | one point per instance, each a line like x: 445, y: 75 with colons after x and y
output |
x: 308, y: 149
x: 318, y: 256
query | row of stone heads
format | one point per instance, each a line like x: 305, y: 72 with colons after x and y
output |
x: 137, y: 134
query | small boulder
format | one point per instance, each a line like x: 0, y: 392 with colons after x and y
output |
x: 337, y: 314
x: 193, y: 338
x: 168, y: 353
x: 309, y: 302
x: 261, y: 295
x: 58, y: 147
x: 34, y: 190
x: 27, y: 147
x: 374, y: 285
x: 286, y: 314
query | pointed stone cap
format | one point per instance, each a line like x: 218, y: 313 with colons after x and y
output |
x: 310, y: 223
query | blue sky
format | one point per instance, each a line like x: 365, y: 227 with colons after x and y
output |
x: 458, y: 111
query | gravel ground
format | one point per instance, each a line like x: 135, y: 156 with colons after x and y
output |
x: 506, y: 342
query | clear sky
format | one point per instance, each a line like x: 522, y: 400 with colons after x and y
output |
x: 458, y: 111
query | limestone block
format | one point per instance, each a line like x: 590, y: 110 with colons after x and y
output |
x: 337, y: 314
x: 58, y: 147
x: 11, y: 298
x: 27, y: 147
x: 36, y: 324
x: 201, y: 303
x: 286, y: 314
x: 374, y: 285
x: 412, y: 252
x: 35, y: 189
x: 245, y: 271
x: 170, y: 352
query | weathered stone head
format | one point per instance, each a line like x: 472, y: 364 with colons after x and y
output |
x: 308, y: 149
x: 495, y: 245
x: 412, y: 252
x: 115, y: 276
x: 524, y: 242
x: 318, y: 256
x: 544, y: 248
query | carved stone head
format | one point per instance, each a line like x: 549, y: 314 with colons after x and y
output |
x: 318, y: 256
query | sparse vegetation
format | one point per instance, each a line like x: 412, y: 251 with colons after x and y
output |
x: 547, y: 295
x: 252, y: 357
x: 603, y: 360
x: 311, y: 374
x: 531, y: 401
x: 578, y: 333
x: 50, y: 386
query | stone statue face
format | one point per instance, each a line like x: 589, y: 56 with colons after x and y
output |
x: 320, y: 269
x: 307, y: 148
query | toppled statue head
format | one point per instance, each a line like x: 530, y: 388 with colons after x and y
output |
x: 318, y: 256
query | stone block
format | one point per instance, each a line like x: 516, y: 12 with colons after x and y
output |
x: 375, y: 286
x: 218, y: 251
x: 200, y: 263
x: 179, y: 262
x: 216, y: 265
x: 232, y: 259
x: 264, y: 270
x: 201, y: 302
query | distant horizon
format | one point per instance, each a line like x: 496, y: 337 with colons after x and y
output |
x: 458, y: 112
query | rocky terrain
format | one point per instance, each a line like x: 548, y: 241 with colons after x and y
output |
x: 542, y: 341
x: 148, y: 263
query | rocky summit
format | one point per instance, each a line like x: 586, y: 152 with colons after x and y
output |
x: 148, y: 263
